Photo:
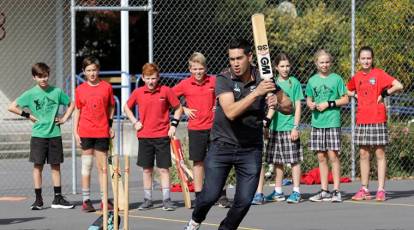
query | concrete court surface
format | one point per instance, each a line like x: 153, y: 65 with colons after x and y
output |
x: 397, y: 213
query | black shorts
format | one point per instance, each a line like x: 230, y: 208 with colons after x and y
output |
x: 46, y: 149
x: 151, y: 149
x: 198, y: 144
x: 100, y: 144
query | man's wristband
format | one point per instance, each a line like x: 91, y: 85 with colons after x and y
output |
x: 110, y: 122
x: 25, y: 114
x: 384, y: 93
x: 331, y: 104
x: 266, y: 122
x: 174, y: 122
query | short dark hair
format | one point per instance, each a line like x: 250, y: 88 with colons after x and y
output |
x: 40, y: 69
x: 91, y: 60
x: 240, y: 43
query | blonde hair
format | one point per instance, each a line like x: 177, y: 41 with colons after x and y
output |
x: 197, y: 57
x: 321, y: 52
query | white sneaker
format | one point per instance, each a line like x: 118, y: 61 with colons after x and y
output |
x: 321, y: 196
x: 192, y: 225
x: 336, y: 196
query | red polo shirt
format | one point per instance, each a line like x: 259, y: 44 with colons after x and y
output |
x: 201, y: 97
x: 93, y: 103
x: 368, y: 86
x: 153, y: 110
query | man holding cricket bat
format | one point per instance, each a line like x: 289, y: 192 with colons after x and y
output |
x: 236, y: 136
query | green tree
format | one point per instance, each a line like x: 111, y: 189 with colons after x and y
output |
x: 316, y: 27
x: 388, y: 27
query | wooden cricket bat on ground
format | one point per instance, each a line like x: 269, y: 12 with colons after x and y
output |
x: 261, y: 46
x: 179, y: 161
x: 116, y: 176
x: 126, y: 184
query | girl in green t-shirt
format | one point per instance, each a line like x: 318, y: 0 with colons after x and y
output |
x: 325, y: 92
x: 284, y: 145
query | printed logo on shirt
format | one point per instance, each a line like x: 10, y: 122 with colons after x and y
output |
x: 45, y: 104
x: 236, y: 88
x: 322, y: 92
x: 162, y: 98
x: 236, y: 91
x: 372, y: 80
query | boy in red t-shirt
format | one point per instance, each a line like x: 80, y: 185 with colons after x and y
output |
x: 198, y: 91
x: 92, y: 126
x: 370, y: 86
x: 154, y: 131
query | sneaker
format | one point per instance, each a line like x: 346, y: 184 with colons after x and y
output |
x: 321, y: 196
x: 380, y: 196
x: 87, y: 206
x: 275, y: 196
x: 60, y: 202
x: 362, y: 194
x: 168, y: 205
x: 224, y: 202
x: 336, y: 196
x: 258, y: 199
x: 110, y: 205
x: 37, y: 205
x: 147, y: 204
x: 294, y: 198
x: 192, y: 225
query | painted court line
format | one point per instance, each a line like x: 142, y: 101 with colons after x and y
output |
x: 185, y: 221
x: 12, y: 198
x: 174, y: 220
x: 379, y: 203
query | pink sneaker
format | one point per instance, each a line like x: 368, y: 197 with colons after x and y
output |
x: 362, y: 194
x: 380, y: 196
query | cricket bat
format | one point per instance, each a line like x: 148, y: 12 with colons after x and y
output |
x: 116, y: 177
x: 261, y: 46
x: 188, y: 173
x: 126, y: 184
x: 179, y: 161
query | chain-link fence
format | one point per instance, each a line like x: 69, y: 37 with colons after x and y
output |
x: 40, y: 31
x: 34, y: 31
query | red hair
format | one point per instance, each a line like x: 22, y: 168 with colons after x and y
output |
x: 149, y: 69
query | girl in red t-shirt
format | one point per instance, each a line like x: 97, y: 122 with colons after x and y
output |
x: 370, y: 86
x: 92, y: 129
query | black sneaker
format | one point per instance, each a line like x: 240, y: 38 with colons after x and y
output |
x: 168, y: 205
x: 87, y: 206
x: 60, y: 202
x: 224, y: 202
x: 37, y: 205
x: 146, y: 205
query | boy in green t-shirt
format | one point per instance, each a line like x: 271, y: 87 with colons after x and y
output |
x: 325, y: 92
x: 43, y: 101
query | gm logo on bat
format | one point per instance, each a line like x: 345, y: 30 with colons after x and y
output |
x: 265, y: 63
x: 2, y: 28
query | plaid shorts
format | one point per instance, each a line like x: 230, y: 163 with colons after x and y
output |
x: 324, y: 139
x: 371, y: 134
x: 282, y: 150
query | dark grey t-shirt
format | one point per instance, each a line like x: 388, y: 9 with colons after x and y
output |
x: 247, y: 129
